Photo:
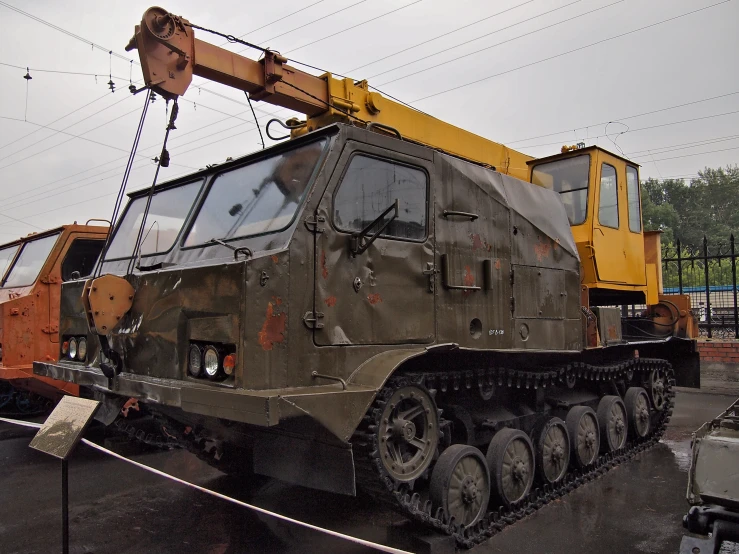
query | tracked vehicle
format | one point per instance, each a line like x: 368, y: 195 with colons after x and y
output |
x: 32, y: 270
x: 384, y: 302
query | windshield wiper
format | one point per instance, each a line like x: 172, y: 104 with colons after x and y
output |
x: 245, y: 250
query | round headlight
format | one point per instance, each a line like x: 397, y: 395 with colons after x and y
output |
x: 195, y: 361
x: 72, y: 348
x: 81, y: 349
x: 210, y: 361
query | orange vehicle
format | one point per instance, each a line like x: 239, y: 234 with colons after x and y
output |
x: 32, y: 270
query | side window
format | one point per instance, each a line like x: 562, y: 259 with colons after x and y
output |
x: 370, y: 186
x: 632, y: 195
x: 81, y: 256
x: 608, y: 204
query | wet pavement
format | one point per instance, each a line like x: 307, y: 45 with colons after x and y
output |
x: 118, y: 508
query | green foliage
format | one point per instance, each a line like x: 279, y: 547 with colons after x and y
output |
x: 708, y: 205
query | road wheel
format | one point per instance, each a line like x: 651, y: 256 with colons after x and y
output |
x: 510, y: 458
x: 552, y: 451
x: 582, y: 425
x: 613, y: 423
x: 408, y: 433
x: 460, y: 483
x: 657, y: 386
x: 637, y: 411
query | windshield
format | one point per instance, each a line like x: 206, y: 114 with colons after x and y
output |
x: 167, y: 213
x: 6, y: 256
x: 28, y: 265
x: 262, y: 197
x: 568, y: 177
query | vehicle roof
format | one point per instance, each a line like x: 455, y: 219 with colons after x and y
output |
x: 48, y: 232
x: 573, y: 153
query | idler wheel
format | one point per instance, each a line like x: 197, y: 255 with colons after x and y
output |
x: 408, y: 433
x: 613, y: 423
x: 637, y: 411
x: 460, y: 483
x: 582, y: 425
x: 552, y: 451
x: 510, y: 458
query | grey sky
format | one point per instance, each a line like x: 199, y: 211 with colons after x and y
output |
x: 48, y: 178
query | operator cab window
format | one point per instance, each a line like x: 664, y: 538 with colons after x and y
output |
x: 28, y: 265
x: 608, y: 205
x: 81, y: 257
x: 568, y: 177
x: 370, y: 186
x: 632, y: 195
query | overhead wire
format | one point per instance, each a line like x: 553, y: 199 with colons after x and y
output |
x: 578, y: 49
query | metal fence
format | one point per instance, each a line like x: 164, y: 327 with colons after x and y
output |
x: 708, y: 274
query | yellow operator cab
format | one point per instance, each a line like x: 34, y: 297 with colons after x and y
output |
x: 600, y: 193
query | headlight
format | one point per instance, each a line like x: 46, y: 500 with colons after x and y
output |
x: 229, y: 363
x: 65, y: 347
x: 81, y: 349
x: 195, y: 361
x: 211, y: 361
x: 72, y: 348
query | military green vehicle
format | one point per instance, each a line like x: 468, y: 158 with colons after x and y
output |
x: 349, y: 309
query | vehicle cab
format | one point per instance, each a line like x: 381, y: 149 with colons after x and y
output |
x: 600, y: 193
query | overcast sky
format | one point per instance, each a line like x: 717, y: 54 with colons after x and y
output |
x: 50, y: 178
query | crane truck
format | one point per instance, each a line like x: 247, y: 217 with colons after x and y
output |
x: 385, y: 301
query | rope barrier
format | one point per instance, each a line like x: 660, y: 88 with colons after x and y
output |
x: 376, y: 546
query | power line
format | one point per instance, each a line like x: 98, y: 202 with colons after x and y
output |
x: 398, y: 52
x: 684, y: 146
x: 696, y: 154
x: 61, y: 30
x: 476, y: 81
x: 639, y: 129
x: 355, y: 26
x: 625, y: 118
x: 459, y: 45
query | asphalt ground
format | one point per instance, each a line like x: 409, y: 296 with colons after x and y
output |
x: 118, y: 508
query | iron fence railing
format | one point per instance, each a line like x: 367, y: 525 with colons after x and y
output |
x: 708, y: 274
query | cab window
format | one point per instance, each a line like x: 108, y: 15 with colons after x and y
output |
x: 568, y: 177
x: 28, y: 265
x: 370, y: 186
x: 81, y: 257
x: 632, y: 195
x: 6, y: 257
x: 608, y: 204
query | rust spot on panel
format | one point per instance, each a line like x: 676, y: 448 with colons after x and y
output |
x: 374, y: 298
x: 275, y: 259
x: 612, y: 333
x: 497, y: 263
x: 324, y: 269
x: 277, y: 300
x: 273, y: 328
x: 330, y: 301
x: 542, y: 249
x: 476, y: 241
x: 469, y: 278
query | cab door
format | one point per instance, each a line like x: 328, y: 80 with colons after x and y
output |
x: 619, y: 251
x: 375, y: 253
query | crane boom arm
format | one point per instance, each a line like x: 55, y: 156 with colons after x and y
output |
x: 170, y: 56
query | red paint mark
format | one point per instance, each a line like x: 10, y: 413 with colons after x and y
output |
x: 277, y: 300
x: 374, y: 298
x: 330, y: 301
x: 468, y: 279
x: 476, y: 241
x: 275, y: 259
x: 542, y: 249
x: 324, y: 269
x: 131, y: 404
x: 273, y: 328
x: 497, y: 263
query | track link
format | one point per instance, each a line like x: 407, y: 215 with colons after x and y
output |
x: 372, y: 477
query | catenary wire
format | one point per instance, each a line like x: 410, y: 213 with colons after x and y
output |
x: 578, y: 49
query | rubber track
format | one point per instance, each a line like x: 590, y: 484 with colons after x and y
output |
x: 372, y: 477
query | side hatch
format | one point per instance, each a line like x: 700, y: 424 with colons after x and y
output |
x: 375, y: 249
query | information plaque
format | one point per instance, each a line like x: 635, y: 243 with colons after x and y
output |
x: 63, y: 428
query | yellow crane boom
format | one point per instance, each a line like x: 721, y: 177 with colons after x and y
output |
x: 170, y: 56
